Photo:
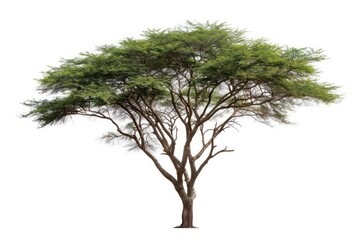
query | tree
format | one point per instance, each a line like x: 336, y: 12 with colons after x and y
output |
x: 192, y: 83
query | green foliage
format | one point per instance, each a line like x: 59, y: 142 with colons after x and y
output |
x: 54, y: 111
x: 197, y: 69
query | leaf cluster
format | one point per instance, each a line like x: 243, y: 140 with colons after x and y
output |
x: 196, y: 70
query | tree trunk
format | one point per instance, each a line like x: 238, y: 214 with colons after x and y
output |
x: 187, y: 214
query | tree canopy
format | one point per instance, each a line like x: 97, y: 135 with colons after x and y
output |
x: 197, y: 80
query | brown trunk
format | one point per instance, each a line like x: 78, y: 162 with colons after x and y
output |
x: 187, y: 214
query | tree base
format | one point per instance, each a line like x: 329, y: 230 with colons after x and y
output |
x: 185, y: 227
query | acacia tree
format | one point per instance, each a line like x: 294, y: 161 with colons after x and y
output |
x: 173, y: 92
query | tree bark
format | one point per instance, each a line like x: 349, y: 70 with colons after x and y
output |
x: 187, y: 215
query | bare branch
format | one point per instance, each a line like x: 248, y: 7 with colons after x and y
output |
x: 210, y: 156
x: 97, y: 114
x: 166, y: 174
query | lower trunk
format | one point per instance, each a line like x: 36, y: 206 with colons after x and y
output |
x: 187, y: 214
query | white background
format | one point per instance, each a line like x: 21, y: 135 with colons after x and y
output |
x: 283, y: 182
